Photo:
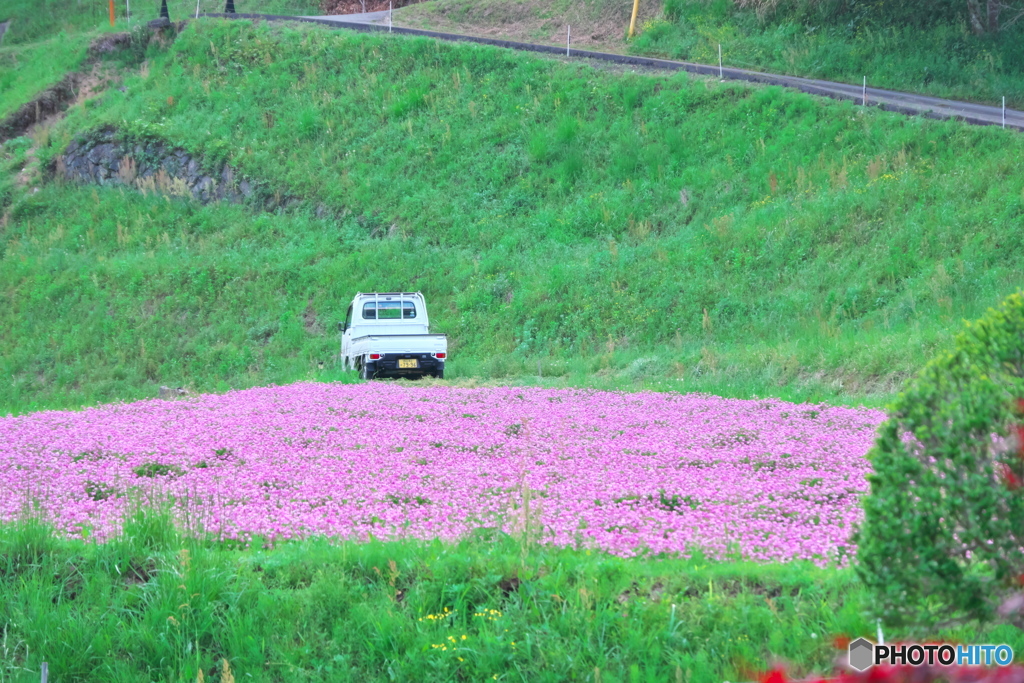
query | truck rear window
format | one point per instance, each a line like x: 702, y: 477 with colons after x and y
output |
x: 389, y: 310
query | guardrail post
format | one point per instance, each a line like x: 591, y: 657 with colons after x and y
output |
x: 44, y: 672
x: 229, y: 8
x: 568, y: 33
x: 163, y: 10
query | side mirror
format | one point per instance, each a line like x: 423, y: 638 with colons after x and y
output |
x: 341, y: 327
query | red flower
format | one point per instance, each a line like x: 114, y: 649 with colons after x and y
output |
x: 1010, y: 478
x: 881, y: 674
x: 1020, y: 439
x: 841, y: 642
x: 774, y: 676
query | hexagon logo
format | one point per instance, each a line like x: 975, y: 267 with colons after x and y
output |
x: 862, y: 654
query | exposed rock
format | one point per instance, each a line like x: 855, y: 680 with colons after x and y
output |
x: 103, y: 157
x: 153, y: 166
x: 110, y: 43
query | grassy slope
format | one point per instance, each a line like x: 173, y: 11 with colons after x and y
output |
x: 537, y: 204
x: 943, y: 60
x: 48, y: 38
x: 36, y: 20
x: 26, y: 70
x: 153, y: 606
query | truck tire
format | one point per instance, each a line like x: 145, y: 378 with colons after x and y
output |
x: 439, y: 374
x: 367, y: 371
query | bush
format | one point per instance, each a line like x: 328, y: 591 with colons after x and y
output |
x: 944, y: 522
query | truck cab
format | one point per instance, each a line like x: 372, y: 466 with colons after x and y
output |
x: 387, y: 334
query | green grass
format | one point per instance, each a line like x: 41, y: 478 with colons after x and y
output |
x: 153, y: 605
x: 27, y: 70
x: 36, y: 20
x: 537, y: 204
x: 942, y: 59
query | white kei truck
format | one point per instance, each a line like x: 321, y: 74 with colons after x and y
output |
x: 387, y: 334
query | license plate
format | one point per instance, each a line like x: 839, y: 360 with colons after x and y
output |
x: 407, y: 363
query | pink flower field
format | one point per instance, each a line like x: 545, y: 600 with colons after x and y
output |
x: 629, y: 473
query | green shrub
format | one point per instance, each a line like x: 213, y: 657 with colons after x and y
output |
x: 156, y: 469
x: 944, y: 523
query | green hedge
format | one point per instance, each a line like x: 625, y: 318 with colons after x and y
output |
x: 944, y: 522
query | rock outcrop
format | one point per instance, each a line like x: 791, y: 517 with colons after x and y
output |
x: 149, y: 166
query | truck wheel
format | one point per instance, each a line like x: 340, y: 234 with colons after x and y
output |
x: 366, y: 371
x: 439, y: 374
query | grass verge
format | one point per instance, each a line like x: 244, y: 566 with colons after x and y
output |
x: 156, y: 605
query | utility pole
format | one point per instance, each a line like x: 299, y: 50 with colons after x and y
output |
x: 632, y: 21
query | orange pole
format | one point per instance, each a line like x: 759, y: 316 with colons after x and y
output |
x: 111, y: 12
x: 632, y: 20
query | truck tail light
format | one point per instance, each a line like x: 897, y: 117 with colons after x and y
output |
x: 440, y: 355
x: 374, y: 356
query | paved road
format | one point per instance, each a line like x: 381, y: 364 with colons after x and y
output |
x: 365, y: 18
x: 907, y: 103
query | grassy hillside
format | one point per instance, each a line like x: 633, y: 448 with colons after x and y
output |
x: 934, y: 54
x: 27, y: 70
x: 35, y: 20
x: 942, y: 58
x: 642, y: 229
x: 49, y: 38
